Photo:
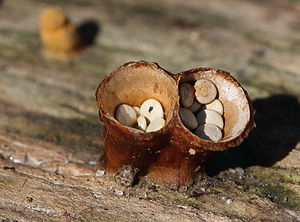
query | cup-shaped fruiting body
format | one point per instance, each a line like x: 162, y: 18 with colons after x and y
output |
x: 133, y: 84
x: 232, y: 102
x: 58, y: 35
x: 184, y: 158
x: 174, y: 155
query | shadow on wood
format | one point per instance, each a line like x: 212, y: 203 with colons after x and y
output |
x: 276, y: 134
x: 88, y: 31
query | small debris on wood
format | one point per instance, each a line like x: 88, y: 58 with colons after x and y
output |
x: 9, y: 168
x: 100, y: 173
x: 126, y: 176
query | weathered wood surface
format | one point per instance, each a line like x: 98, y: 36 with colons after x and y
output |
x: 49, y: 129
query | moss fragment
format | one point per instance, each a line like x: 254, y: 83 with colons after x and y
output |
x: 278, y: 186
x: 280, y: 194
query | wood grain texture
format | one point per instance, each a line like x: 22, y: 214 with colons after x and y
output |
x: 50, y: 128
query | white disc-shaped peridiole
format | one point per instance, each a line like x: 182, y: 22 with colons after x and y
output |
x: 137, y: 110
x: 209, y: 132
x: 215, y: 105
x: 152, y: 109
x: 142, y: 123
x: 206, y: 91
x: 156, y: 125
x: 210, y: 116
x: 126, y: 115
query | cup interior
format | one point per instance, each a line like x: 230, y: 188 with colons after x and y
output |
x: 134, y: 83
x: 234, y: 99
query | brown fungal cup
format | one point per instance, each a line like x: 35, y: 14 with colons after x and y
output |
x: 174, y: 155
x: 132, y: 84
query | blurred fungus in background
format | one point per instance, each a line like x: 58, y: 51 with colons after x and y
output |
x: 60, y: 38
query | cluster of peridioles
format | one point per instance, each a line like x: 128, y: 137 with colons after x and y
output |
x: 60, y: 38
x: 149, y: 117
x: 201, y: 110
